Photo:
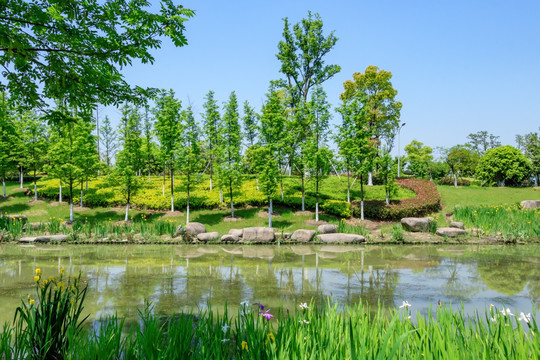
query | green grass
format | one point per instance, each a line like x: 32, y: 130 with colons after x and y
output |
x: 484, y: 196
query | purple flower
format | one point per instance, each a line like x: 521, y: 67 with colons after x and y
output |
x: 261, y: 306
x: 266, y: 314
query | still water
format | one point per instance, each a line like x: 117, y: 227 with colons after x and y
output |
x: 187, y: 277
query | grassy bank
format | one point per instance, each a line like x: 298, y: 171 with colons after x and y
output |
x: 484, y: 196
x: 331, y: 331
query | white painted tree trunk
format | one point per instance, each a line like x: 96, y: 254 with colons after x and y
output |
x: 317, y: 211
x: 370, y: 178
x: 303, y: 203
x: 257, y: 182
x: 232, y: 209
x: 362, y: 210
x: 21, y: 178
x: 126, y: 218
x: 455, y: 180
x: 35, y: 192
x: 270, y: 213
x: 71, y: 210
x: 86, y: 184
x: 172, y: 201
x: 387, y: 199
x: 4, y: 187
x: 282, y: 190
x: 187, y: 214
x: 81, y: 202
x: 60, y: 193
x: 210, y: 183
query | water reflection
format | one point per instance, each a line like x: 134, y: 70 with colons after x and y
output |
x: 184, y: 278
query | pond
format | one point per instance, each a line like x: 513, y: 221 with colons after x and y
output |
x: 188, y: 277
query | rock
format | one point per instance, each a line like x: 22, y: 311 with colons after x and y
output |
x: 194, y: 228
x: 327, y: 229
x: 258, y: 234
x: 340, y: 238
x: 284, y: 235
x: 450, y: 232
x: 303, y: 235
x: 237, y: 232
x: 417, y: 224
x: 208, y: 236
x: 457, y: 224
x: 44, y: 239
x: 530, y: 204
x: 27, y: 239
x: 229, y: 238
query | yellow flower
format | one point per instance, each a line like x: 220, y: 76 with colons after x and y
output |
x: 38, y: 271
x: 271, y: 337
x: 62, y: 271
x: 244, y: 345
x: 32, y: 302
x: 36, y: 278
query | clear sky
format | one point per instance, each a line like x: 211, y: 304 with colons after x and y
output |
x: 459, y: 66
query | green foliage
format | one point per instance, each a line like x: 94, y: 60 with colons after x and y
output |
x: 461, y: 160
x: 481, y: 141
x: 251, y: 127
x: 419, y: 158
x: 75, y: 50
x: 44, y: 326
x: 337, y: 208
x: 211, y: 129
x: 109, y: 140
x: 450, y: 181
x: 397, y: 233
x: 7, y: 138
x: 530, y: 145
x: 504, y: 165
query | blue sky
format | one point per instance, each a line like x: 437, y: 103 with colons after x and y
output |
x: 459, y: 66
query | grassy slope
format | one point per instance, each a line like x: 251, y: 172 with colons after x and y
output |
x: 479, y: 196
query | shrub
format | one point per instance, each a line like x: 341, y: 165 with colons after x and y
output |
x: 450, y: 181
x: 337, y: 207
x: 426, y: 201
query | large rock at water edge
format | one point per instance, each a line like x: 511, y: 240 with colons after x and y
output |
x: 340, y: 238
x: 450, y: 232
x: 302, y: 235
x: 236, y: 232
x: 327, y: 229
x: 208, y: 236
x: 530, y: 204
x: 417, y: 224
x: 194, y: 229
x: 258, y: 234
x: 44, y: 239
x: 457, y: 224
x: 229, y: 238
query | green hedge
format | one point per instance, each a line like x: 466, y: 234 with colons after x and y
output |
x: 426, y: 201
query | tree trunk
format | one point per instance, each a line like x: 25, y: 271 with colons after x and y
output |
x: 348, y: 186
x: 370, y: 178
x: 126, y: 218
x: 81, y: 202
x: 220, y: 196
x: 4, y: 186
x: 303, y: 193
x: 21, y: 177
x: 361, y: 197
x: 87, y: 183
x: 270, y: 212
x: 281, y: 184
x: 172, y: 190
x: 71, y: 201
x: 231, y: 197
x: 60, y: 193
x: 187, y: 201
x: 317, y: 197
x: 257, y: 182
x: 455, y: 180
x: 35, y: 186
x: 163, y: 183
x: 149, y: 179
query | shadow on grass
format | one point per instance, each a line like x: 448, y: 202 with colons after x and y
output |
x: 14, y: 208
x: 209, y: 219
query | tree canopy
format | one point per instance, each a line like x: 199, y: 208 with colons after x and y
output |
x: 503, y: 166
x: 74, y: 50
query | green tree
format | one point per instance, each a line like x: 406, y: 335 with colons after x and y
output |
x: 149, y: 147
x: 211, y: 128
x: 125, y: 171
x: 189, y: 154
x: 87, y: 155
x: 251, y: 128
x: 482, y: 141
x: 74, y: 50
x: 529, y: 144
x: 503, y: 166
x: 419, y: 158
x: 388, y: 172
x: 461, y: 161
x: 7, y: 136
x: 268, y: 173
x: 109, y: 141
x: 302, y: 55
x: 317, y: 154
x: 379, y: 103
x: 229, y: 170
x: 34, y: 138
x: 168, y: 128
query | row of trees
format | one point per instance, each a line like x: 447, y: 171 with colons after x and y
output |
x: 483, y: 157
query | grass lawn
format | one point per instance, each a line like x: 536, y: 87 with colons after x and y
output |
x: 484, y: 196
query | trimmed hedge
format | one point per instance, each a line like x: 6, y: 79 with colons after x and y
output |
x: 426, y: 201
x: 450, y: 181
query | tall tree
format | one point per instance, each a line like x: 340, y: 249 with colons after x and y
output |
x: 148, y: 145
x: 189, y: 154
x: 34, y: 138
x: 251, y: 128
x: 461, y: 161
x: 503, y: 166
x: 379, y: 102
x: 211, y: 129
x: 125, y: 172
x: 302, y: 56
x: 529, y: 144
x: 74, y: 50
x: 318, y: 155
x: 110, y: 144
x: 88, y: 158
x: 482, y: 141
x: 230, y: 145
x: 168, y: 127
x: 266, y: 167
x: 419, y: 158
x: 7, y: 136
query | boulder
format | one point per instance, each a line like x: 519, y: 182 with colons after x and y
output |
x: 258, y: 234
x: 416, y: 224
x: 340, y: 238
x: 192, y: 229
x: 457, y: 224
x: 284, y: 235
x: 327, y: 229
x: 302, y: 235
x: 229, y: 238
x: 450, y: 232
x: 237, y: 232
x: 530, y: 204
x: 208, y: 236
x: 44, y: 239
